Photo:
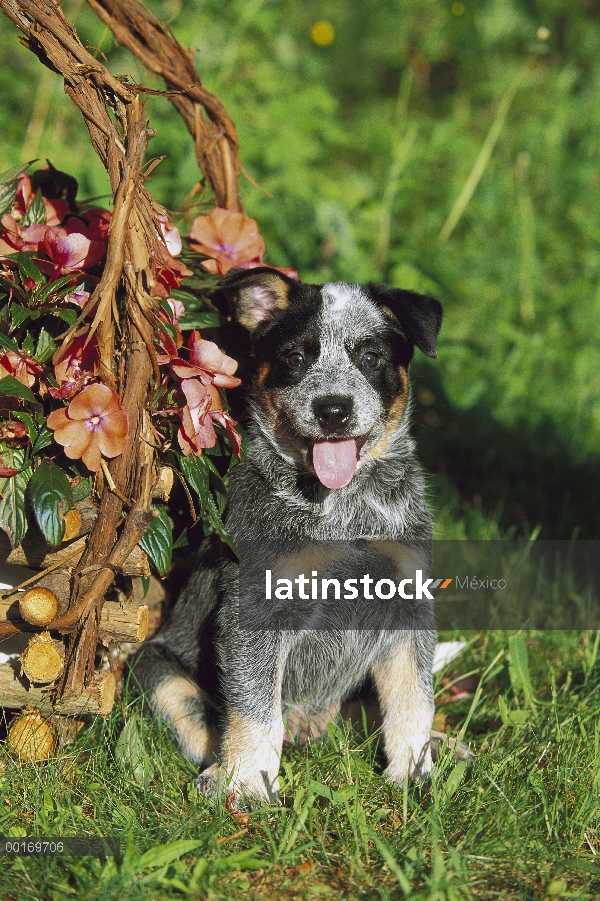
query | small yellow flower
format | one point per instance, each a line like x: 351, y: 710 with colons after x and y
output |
x: 322, y: 33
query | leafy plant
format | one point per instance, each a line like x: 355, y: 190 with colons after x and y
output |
x: 58, y: 419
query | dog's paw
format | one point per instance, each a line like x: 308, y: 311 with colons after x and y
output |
x: 417, y: 766
x: 211, y: 782
x: 459, y: 749
x: 242, y: 788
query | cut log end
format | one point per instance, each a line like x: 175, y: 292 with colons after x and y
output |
x: 31, y: 737
x: 42, y: 660
x: 73, y: 524
x: 39, y: 606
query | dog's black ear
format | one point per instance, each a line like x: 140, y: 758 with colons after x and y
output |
x: 260, y: 294
x: 419, y: 316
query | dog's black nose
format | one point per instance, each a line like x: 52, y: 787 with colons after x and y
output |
x: 333, y: 413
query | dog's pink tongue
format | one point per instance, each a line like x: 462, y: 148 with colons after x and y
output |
x: 335, y: 462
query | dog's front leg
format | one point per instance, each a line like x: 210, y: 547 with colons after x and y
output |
x: 253, y: 735
x: 405, y: 686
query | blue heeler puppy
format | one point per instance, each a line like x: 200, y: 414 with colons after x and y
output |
x: 330, y: 459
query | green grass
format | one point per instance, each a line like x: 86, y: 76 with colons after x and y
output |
x: 521, y: 823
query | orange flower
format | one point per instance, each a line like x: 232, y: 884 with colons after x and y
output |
x: 94, y: 424
x: 229, y: 239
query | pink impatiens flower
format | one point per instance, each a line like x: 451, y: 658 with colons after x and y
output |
x: 207, y: 362
x: 98, y: 223
x: 71, y: 248
x: 78, y: 366
x: 169, y: 273
x: 22, y: 367
x: 171, y: 236
x: 16, y: 238
x: 229, y: 239
x: 93, y: 425
x: 197, y: 430
x: 206, y: 356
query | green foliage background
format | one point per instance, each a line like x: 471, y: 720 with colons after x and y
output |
x: 365, y: 145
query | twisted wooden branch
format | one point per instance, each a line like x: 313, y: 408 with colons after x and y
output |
x: 134, y: 240
x: 205, y: 117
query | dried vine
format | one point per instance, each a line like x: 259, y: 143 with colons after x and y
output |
x: 207, y: 121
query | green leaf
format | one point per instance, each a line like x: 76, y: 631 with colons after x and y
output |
x: 67, y: 315
x: 182, y: 541
x: 8, y: 343
x: 36, y: 214
x: 8, y: 192
x: 131, y: 753
x: 503, y: 708
x: 45, y: 346
x: 217, y: 485
x: 18, y: 315
x: 27, y: 344
x: 455, y: 778
x: 392, y: 863
x: 44, y: 439
x: 199, y: 321
x: 51, y: 497
x: 58, y: 286
x: 13, y: 290
x: 9, y: 183
x: 161, y: 855
x: 10, y: 387
x: 214, y: 518
x: 193, y: 302
x: 196, y: 474
x: 196, y: 471
x: 13, y: 509
x: 28, y: 269
x: 519, y: 667
x: 12, y: 173
x: 190, y: 301
x: 82, y: 489
x: 157, y: 542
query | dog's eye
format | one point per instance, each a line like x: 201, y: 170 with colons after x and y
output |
x: 369, y: 360
x: 295, y: 360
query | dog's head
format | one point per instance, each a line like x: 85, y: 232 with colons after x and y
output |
x: 331, y: 380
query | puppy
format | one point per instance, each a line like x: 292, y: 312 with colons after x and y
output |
x: 330, y: 458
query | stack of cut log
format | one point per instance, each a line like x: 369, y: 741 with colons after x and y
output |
x: 25, y: 614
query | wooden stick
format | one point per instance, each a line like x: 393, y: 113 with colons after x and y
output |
x: 15, y: 693
x: 118, y: 622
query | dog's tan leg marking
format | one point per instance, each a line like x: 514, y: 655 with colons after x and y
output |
x: 250, y: 759
x: 174, y: 700
x: 251, y: 752
x: 407, y: 714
